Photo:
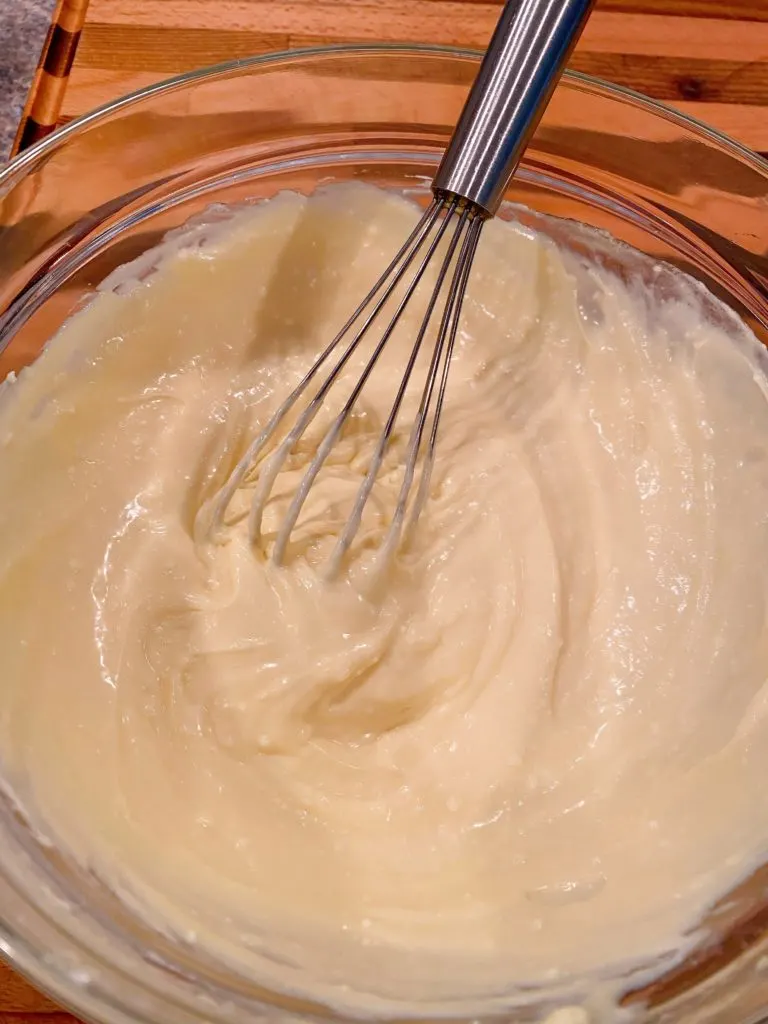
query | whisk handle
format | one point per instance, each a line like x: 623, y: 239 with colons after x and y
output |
x: 524, y: 60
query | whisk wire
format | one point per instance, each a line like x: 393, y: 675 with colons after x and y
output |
x: 448, y: 331
x: 326, y: 445
x: 248, y: 461
x: 415, y: 256
x: 353, y: 522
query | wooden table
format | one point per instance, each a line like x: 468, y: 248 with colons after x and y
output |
x: 707, y: 57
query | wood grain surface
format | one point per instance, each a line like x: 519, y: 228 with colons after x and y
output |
x: 707, y: 57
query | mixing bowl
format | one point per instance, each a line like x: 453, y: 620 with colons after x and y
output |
x: 108, y: 186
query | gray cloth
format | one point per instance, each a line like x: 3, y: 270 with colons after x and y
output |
x: 23, y: 24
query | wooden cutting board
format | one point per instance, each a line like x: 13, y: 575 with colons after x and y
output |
x: 707, y: 57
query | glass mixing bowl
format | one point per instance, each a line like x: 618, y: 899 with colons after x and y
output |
x: 108, y: 186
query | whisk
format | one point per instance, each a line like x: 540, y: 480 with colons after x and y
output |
x: 523, y: 62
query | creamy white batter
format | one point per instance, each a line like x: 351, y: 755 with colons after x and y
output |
x: 540, y: 754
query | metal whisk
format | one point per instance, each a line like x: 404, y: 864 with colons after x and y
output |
x: 523, y: 62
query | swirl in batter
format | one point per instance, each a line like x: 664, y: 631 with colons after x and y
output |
x: 535, y: 756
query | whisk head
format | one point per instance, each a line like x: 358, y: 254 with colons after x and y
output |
x: 448, y: 233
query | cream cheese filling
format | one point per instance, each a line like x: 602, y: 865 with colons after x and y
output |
x: 539, y: 753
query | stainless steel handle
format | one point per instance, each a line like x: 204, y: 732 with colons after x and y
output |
x: 524, y: 60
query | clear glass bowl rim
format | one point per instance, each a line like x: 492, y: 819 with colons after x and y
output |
x: 19, y: 163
